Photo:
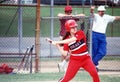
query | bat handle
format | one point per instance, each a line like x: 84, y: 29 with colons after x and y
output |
x: 49, y: 40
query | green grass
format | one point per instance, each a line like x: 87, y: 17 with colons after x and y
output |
x: 81, y: 76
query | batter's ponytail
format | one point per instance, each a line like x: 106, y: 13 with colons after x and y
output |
x: 66, y: 35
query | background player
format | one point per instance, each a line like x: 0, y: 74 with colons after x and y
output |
x: 100, y: 22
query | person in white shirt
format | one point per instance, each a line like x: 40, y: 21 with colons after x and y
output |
x: 100, y: 22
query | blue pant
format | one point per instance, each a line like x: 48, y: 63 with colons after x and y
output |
x: 98, y: 47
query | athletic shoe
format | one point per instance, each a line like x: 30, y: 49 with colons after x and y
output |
x: 97, y: 69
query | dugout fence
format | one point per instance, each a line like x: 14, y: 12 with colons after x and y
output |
x: 12, y: 50
x: 49, y: 55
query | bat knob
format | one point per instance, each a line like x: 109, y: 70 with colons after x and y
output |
x: 49, y: 40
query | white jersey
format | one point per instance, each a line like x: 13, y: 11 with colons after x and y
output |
x: 100, y: 23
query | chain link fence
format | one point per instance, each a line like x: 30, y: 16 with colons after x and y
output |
x: 14, y: 40
x: 10, y: 45
x: 50, y: 51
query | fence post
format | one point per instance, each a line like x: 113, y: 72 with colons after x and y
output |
x: 20, y: 25
x: 37, y: 36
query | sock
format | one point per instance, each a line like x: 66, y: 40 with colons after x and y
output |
x: 64, y: 62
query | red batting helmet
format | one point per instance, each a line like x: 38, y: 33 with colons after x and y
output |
x: 68, y: 8
x: 69, y: 24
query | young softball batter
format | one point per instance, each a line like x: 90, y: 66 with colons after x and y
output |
x: 75, y: 45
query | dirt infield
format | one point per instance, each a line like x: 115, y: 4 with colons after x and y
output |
x: 106, y: 67
x: 50, y: 65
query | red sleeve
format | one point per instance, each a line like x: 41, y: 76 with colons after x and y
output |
x: 66, y: 48
x: 79, y: 35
